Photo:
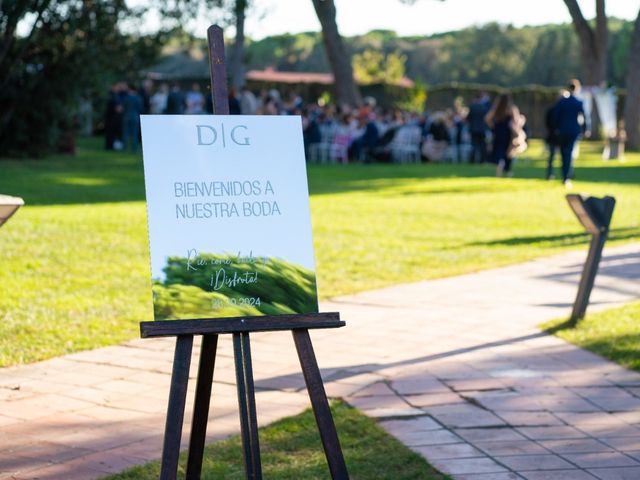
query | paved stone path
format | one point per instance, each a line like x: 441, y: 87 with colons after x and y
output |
x: 455, y: 368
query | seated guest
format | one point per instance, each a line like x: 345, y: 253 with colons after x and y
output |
x: 363, y: 145
x: 310, y: 129
x: 435, y: 146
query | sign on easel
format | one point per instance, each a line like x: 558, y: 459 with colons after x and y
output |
x: 228, y: 213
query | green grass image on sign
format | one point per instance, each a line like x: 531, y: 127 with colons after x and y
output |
x: 230, y: 287
x: 229, y: 222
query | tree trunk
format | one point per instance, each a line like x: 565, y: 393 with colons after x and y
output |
x: 237, y: 59
x: 593, y: 49
x: 632, y: 101
x: 346, y: 90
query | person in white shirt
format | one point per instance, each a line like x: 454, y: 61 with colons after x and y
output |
x: 159, y: 100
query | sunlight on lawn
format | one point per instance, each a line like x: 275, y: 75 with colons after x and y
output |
x: 75, y: 270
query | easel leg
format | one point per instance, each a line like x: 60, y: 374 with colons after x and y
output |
x: 247, y: 406
x: 251, y: 404
x: 315, y: 387
x: 201, y: 406
x: 175, y: 410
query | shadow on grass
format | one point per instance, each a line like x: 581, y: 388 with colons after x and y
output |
x: 621, y: 348
x: 98, y: 176
x: 567, y: 324
x: 622, y: 174
x: 93, y: 176
x: 624, y: 233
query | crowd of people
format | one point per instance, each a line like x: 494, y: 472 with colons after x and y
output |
x: 485, y: 131
x: 125, y: 104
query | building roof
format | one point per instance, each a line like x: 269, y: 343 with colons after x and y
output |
x: 275, y: 76
x: 194, y: 66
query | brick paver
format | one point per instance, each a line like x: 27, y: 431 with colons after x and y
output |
x: 455, y: 368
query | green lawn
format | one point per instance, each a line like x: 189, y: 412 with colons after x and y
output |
x: 74, y: 267
x: 291, y: 449
x: 613, y: 334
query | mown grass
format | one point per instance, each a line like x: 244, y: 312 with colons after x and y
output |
x: 291, y: 450
x: 74, y: 268
x: 613, y: 334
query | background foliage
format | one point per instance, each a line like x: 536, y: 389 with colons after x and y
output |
x: 492, y: 53
x: 72, y: 50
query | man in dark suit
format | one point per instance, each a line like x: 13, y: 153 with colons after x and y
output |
x: 478, y: 127
x: 175, y: 101
x: 569, y: 122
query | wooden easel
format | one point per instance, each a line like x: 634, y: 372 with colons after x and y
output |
x: 239, y: 327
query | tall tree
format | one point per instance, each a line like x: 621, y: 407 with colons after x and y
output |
x: 237, y: 58
x: 632, y: 101
x: 346, y: 90
x: 593, y: 49
x: 593, y: 41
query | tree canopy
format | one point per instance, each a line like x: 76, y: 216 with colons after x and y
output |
x: 492, y: 53
x: 69, y: 50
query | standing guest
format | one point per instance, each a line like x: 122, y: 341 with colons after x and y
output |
x: 145, y: 96
x: 506, y: 124
x: 551, y: 139
x: 311, y: 133
x: 478, y: 110
x: 294, y: 103
x: 458, y: 119
x: 195, y: 100
x: 85, y: 116
x: 248, y: 101
x: 132, y: 108
x: 112, y: 117
x: 234, y: 103
x: 269, y: 107
x: 275, y: 96
x: 569, y: 119
x: 435, y: 146
x: 175, y: 101
x: 158, y: 101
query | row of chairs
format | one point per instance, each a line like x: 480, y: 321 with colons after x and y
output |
x: 333, y: 146
x: 335, y: 140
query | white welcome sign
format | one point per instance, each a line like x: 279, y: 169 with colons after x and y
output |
x: 228, y: 213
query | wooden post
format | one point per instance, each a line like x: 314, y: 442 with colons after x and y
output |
x: 219, y: 92
x: 595, y: 215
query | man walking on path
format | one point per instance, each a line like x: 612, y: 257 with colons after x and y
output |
x: 570, y: 123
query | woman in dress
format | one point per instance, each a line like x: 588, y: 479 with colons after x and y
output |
x: 506, y: 122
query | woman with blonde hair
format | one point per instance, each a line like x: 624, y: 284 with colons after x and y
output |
x: 506, y: 123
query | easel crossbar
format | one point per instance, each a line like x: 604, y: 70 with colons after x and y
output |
x: 170, y: 328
